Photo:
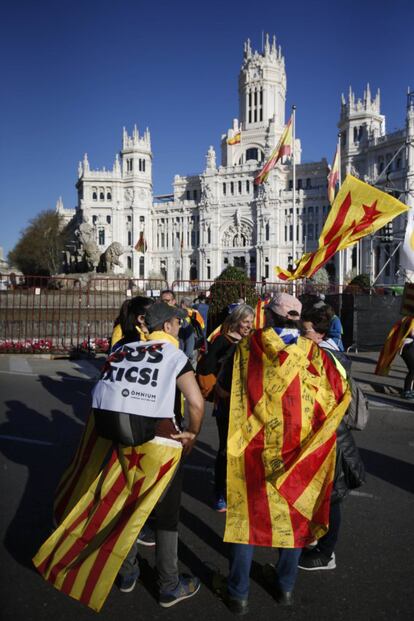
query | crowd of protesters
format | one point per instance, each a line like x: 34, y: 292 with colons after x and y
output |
x: 198, y: 367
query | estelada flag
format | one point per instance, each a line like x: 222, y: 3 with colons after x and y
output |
x: 83, y: 555
x: 141, y: 245
x: 283, y: 147
x: 333, y: 177
x: 286, y: 403
x: 259, y: 319
x: 358, y: 210
x: 393, y: 343
x: 235, y: 139
x: 87, y: 463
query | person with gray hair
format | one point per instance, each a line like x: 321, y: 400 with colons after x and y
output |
x: 236, y: 326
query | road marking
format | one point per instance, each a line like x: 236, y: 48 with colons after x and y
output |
x: 20, y: 365
x: 27, y: 440
x: 54, y: 377
x: 354, y: 492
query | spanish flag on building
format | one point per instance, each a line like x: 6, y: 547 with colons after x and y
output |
x: 358, y: 210
x: 283, y: 147
x: 83, y: 555
x: 333, y: 176
x: 236, y: 139
x: 286, y: 403
x: 141, y: 245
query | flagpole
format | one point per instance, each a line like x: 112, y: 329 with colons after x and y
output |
x: 293, y: 189
x: 341, y: 257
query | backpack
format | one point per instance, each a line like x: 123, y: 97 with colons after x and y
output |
x: 357, y: 414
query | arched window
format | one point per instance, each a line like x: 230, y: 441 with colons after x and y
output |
x: 208, y: 269
x: 94, y: 194
x: 252, y: 154
x: 267, y: 231
x: 209, y: 235
x: 193, y: 272
x: 108, y: 195
x: 129, y: 238
x: 101, y: 194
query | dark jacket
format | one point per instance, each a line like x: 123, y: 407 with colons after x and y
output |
x: 349, y: 469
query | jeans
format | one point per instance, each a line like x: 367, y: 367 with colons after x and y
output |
x: 241, y: 556
x: 407, y: 355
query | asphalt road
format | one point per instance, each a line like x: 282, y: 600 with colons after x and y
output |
x: 43, y: 407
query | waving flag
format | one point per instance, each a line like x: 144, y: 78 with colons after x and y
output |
x: 333, y: 177
x: 283, y: 147
x: 235, y: 139
x: 286, y: 403
x: 141, y: 245
x: 392, y: 345
x: 407, y: 250
x: 358, y: 210
x: 83, y: 555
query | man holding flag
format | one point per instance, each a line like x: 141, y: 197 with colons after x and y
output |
x: 287, y: 399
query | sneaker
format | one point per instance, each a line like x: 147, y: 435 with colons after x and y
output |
x: 408, y: 394
x: 127, y: 583
x: 187, y: 587
x: 315, y: 560
x: 146, y: 536
x: 220, y: 504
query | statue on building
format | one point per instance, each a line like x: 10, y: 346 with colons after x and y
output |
x: 211, y: 158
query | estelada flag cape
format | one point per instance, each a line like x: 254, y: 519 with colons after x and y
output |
x: 392, y: 345
x: 286, y: 403
x: 358, y: 210
x: 83, y: 555
x: 87, y: 463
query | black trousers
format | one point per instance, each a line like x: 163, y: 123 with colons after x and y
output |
x: 407, y: 355
x: 328, y: 542
x: 220, y: 467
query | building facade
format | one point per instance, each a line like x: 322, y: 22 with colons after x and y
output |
x: 219, y: 217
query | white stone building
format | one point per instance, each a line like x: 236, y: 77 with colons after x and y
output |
x: 219, y: 217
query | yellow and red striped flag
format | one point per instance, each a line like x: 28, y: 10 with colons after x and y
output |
x: 259, y: 320
x: 236, y: 139
x: 333, y: 176
x: 83, y: 470
x: 358, y: 210
x: 392, y: 345
x: 283, y: 147
x: 286, y: 403
x: 83, y: 555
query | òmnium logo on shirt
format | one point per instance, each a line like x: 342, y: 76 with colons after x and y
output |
x: 125, y: 392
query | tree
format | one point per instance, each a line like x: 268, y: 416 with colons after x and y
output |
x: 39, y: 249
x: 231, y: 285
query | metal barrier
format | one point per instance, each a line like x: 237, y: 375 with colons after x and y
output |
x: 60, y: 314
x: 40, y: 314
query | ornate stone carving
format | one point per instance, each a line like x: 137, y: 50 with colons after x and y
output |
x: 237, y: 236
x: 110, y: 257
x: 89, y: 247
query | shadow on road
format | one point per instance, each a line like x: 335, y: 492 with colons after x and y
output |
x: 44, y: 445
x: 395, y: 471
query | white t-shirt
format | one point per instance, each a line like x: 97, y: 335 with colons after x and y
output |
x: 140, y: 378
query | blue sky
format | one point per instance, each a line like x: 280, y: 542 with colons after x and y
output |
x: 75, y: 72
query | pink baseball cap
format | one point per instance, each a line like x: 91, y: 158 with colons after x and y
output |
x: 285, y: 305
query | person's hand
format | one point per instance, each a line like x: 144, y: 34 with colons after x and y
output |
x: 187, y: 439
